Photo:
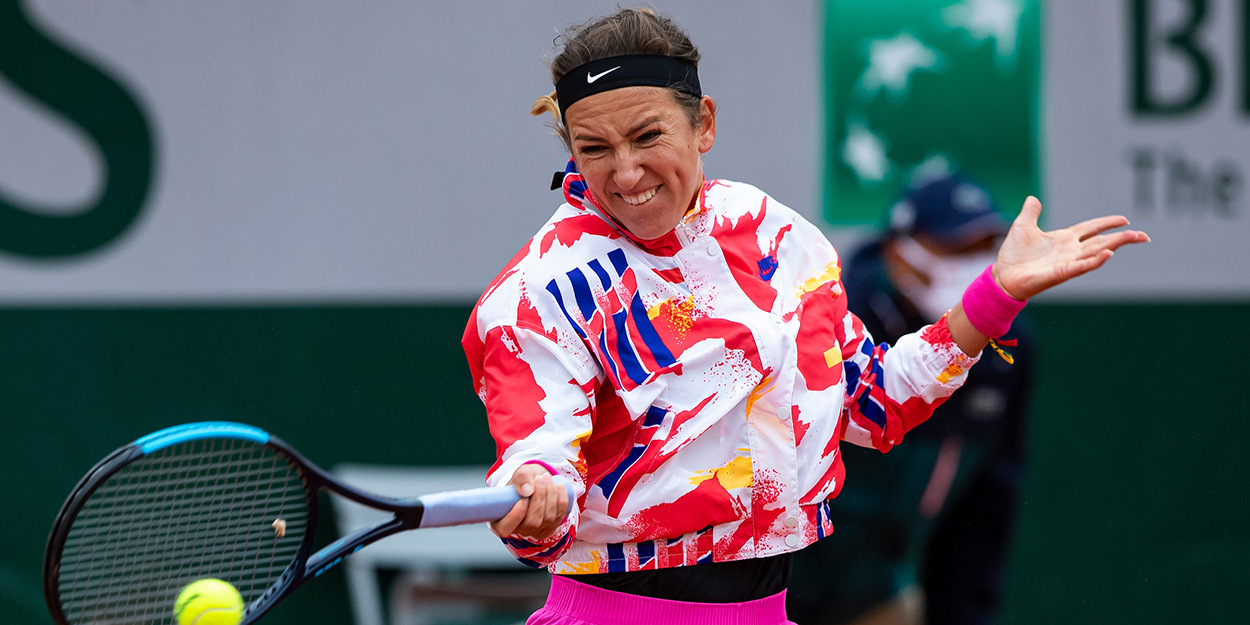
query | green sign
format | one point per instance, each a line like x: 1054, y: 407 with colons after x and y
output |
x: 922, y: 87
x: 103, y: 109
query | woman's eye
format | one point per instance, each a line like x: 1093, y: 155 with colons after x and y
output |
x: 591, y: 149
x: 649, y: 136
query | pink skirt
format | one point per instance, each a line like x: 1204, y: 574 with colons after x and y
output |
x: 574, y: 603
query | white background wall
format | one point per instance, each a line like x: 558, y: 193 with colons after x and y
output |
x: 382, y: 151
x: 375, y: 151
x: 1092, y: 137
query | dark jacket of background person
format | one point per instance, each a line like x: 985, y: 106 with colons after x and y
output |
x: 887, y: 535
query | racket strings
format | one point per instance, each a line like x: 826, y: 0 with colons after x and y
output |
x: 194, y: 510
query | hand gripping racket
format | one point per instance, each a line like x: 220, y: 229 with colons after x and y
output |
x: 214, y: 499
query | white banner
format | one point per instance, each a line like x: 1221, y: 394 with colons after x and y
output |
x: 383, y: 152
x: 1147, y: 114
x: 377, y: 151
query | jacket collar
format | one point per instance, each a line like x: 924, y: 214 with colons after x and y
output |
x: 578, y: 195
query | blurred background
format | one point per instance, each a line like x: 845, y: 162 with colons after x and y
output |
x: 281, y: 213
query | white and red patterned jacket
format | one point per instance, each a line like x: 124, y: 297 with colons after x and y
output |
x: 694, y: 387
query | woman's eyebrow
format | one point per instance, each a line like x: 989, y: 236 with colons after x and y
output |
x: 632, y: 131
x: 637, y: 129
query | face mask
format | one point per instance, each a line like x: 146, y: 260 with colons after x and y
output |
x: 948, y: 276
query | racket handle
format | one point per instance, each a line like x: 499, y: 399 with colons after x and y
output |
x: 479, y: 505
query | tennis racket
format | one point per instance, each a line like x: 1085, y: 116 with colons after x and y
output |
x: 214, y: 499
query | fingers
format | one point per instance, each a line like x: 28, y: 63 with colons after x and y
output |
x: 1031, y: 211
x: 545, y: 513
x: 542, y: 513
x: 1112, y: 241
x: 1091, y: 227
x: 541, y: 519
x: 525, y: 486
x: 1085, y: 265
x: 507, y: 526
x: 536, y: 519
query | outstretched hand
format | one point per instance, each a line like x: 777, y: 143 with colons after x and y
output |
x: 1031, y: 261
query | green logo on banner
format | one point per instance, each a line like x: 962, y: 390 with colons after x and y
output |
x: 105, y: 111
x: 922, y: 87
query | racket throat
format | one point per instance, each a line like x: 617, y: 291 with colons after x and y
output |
x: 334, y: 553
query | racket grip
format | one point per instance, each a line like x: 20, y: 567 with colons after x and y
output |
x: 479, y: 505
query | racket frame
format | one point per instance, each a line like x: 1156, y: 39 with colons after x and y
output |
x: 305, y: 566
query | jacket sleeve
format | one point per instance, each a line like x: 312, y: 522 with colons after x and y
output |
x: 538, y: 412
x: 890, y: 390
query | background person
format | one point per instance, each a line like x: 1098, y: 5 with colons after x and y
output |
x: 938, y: 512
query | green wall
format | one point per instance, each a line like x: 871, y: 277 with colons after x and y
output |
x: 1134, y: 506
x: 380, y: 385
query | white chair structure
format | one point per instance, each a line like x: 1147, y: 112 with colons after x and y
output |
x: 445, y: 575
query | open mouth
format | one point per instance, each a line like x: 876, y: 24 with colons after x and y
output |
x: 641, y: 198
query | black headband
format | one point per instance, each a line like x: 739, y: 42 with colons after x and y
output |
x: 630, y: 70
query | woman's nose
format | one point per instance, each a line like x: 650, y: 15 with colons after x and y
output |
x: 628, y: 171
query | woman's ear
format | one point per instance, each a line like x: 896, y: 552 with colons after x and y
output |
x: 707, y: 129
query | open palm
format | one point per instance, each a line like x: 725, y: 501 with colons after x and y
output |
x: 1031, y: 261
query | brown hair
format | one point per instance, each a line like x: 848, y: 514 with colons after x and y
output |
x: 628, y: 31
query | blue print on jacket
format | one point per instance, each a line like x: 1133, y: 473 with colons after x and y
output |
x: 628, y: 369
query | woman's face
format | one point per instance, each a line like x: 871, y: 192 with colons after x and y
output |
x: 639, y: 155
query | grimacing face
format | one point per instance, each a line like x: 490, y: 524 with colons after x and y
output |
x: 640, y: 155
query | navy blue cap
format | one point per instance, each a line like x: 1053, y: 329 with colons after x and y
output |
x: 949, y: 209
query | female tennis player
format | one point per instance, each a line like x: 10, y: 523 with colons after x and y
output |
x: 680, y: 348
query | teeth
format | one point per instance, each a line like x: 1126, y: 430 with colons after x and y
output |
x: 635, y: 200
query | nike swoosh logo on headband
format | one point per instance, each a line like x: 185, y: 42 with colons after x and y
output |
x: 590, y: 79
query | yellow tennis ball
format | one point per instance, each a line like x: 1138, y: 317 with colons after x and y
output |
x: 208, y: 602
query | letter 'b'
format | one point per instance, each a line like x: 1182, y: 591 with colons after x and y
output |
x: 1180, y: 41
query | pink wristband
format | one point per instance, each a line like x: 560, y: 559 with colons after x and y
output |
x: 544, y: 465
x: 988, y: 308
